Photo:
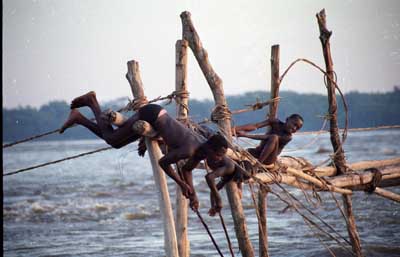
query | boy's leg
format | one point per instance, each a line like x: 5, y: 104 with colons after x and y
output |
x: 173, y: 156
x: 270, y: 152
x: 116, y: 138
x: 254, y: 152
x: 210, y: 178
x: 90, y: 101
x: 75, y: 117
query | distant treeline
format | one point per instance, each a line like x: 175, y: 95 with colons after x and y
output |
x: 365, y: 110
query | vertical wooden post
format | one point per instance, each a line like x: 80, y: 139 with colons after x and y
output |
x: 339, y: 159
x: 263, y: 228
x: 273, y: 107
x: 215, y: 83
x: 170, y: 244
x: 181, y: 219
x: 262, y: 193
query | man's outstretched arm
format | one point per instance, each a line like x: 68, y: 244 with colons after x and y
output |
x: 251, y: 126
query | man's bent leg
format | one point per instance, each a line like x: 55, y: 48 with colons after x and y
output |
x: 173, y: 157
x: 269, y: 153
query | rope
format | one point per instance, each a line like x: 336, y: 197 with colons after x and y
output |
x: 315, y: 224
x: 319, y: 238
x: 30, y: 138
x: 292, y: 198
x: 296, y: 209
x: 222, y: 219
x: 220, y: 112
x: 257, y: 213
x: 333, y: 80
x: 256, y: 106
x: 253, y: 107
x: 226, y: 234
x: 376, y: 179
x: 135, y: 104
x: 57, y: 161
x: 349, y: 130
x: 209, y: 233
x: 312, y: 141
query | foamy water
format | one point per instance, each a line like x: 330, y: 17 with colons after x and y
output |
x: 106, y: 204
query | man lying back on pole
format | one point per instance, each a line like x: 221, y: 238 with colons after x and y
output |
x: 182, y: 143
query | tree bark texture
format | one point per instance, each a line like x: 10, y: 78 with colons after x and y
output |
x: 338, y: 159
x: 215, y: 84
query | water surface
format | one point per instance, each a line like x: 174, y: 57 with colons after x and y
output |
x: 106, y: 204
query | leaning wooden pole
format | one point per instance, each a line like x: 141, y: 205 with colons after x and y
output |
x: 170, y: 243
x: 181, y: 219
x: 222, y: 115
x: 338, y: 159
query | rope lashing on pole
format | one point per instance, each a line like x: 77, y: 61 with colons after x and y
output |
x: 220, y: 112
x: 257, y: 106
x: 224, y: 113
x: 209, y: 233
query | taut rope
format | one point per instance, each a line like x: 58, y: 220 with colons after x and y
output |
x: 209, y: 233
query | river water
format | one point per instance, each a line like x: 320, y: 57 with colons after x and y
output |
x: 106, y: 204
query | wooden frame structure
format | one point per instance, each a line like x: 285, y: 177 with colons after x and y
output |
x: 175, y: 230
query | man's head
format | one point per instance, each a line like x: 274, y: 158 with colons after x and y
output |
x: 293, y: 123
x: 217, y: 146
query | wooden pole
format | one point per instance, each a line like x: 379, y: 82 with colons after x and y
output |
x: 360, y: 179
x: 273, y: 111
x: 273, y: 107
x: 353, y: 181
x: 181, y: 220
x: 387, y: 194
x: 215, y: 83
x: 338, y: 159
x: 263, y: 227
x: 170, y: 244
x: 331, y: 171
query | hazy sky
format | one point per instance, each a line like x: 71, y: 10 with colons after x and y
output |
x: 56, y: 50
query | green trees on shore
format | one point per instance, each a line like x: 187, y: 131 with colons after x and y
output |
x: 365, y: 110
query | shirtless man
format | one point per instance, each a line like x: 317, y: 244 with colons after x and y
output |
x: 274, y: 140
x: 181, y: 142
x: 213, y: 152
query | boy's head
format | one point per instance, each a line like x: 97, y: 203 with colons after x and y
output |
x: 293, y: 123
x: 218, y: 146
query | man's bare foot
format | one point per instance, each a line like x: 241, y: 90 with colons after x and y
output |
x: 73, y: 117
x: 212, y: 212
x: 83, y: 100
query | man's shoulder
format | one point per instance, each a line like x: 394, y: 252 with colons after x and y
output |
x: 229, y: 162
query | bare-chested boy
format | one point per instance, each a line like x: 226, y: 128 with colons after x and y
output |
x: 182, y: 142
x: 213, y: 152
x: 274, y: 140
